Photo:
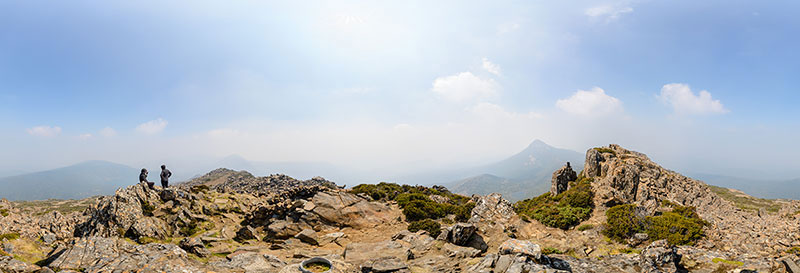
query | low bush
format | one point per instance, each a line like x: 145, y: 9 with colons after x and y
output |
x: 416, y: 203
x: 622, y: 222
x: 551, y: 250
x: 564, y: 210
x: 681, y: 226
x: 147, y: 209
x: 9, y: 236
x: 4, y: 212
x: 432, y: 227
x: 585, y: 227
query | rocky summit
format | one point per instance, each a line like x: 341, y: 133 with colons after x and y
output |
x: 622, y: 213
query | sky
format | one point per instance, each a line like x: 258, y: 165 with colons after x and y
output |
x: 400, y: 86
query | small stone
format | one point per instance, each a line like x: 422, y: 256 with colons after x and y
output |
x: 308, y: 236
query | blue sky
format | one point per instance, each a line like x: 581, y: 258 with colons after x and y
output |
x: 701, y: 86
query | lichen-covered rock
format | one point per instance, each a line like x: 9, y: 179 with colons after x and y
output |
x: 349, y: 210
x: 360, y: 253
x: 194, y: 245
x: 460, y: 233
x: 98, y: 254
x: 659, y: 257
x: 251, y: 262
x: 308, y: 236
x: 112, y: 216
x: 11, y: 265
x: 491, y: 207
x: 527, y: 248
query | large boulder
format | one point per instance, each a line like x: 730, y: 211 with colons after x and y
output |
x: 527, y: 248
x: 98, y: 254
x: 561, y: 179
x: 11, y: 265
x: 361, y: 253
x: 251, y: 262
x: 491, y: 207
x: 460, y: 233
x: 194, y: 245
x: 659, y: 257
x: 348, y: 210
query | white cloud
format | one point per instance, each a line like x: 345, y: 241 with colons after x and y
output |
x: 108, y: 132
x: 591, y: 103
x: 464, y: 86
x: 44, y: 131
x: 85, y: 136
x: 684, y: 101
x: 491, y: 67
x: 609, y: 12
x: 152, y: 127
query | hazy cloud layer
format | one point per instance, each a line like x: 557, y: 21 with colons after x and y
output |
x: 152, y: 127
x: 44, y: 131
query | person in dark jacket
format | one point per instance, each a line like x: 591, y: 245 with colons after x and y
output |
x: 143, y: 179
x: 165, y: 174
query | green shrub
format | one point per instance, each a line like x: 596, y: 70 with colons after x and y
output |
x: 681, y: 226
x: 199, y: 189
x: 721, y: 260
x: 585, y: 227
x: 147, y: 209
x: 794, y: 250
x: 9, y: 236
x: 447, y: 221
x: 189, y: 229
x: 563, y: 211
x: 4, y: 212
x: 606, y: 150
x: 622, y: 223
x: 432, y: 227
x: 416, y: 203
x: 551, y: 250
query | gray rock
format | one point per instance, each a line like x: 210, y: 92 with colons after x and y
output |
x: 97, y: 254
x: 194, y: 245
x: 359, y: 253
x: 49, y: 238
x: 11, y: 265
x: 659, y: 257
x: 561, y: 179
x: 460, y: 252
x: 460, y: 233
x: 330, y: 238
x: 308, y: 236
x: 282, y: 229
x: 491, y: 207
x: 514, y: 246
x: 246, y: 233
x: 251, y: 262
x: 349, y: 210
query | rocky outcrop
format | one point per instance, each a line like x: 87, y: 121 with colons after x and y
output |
x: 349, y: 210
x: 624, y: 176
x: 491, y: 207
x: 527, y: 248
x: 11, y: 265
x: 98, y: 254
x: 194, y: 245
x: 114, y: 216
x: 561, y: 179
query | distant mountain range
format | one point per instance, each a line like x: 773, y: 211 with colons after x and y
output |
x: 72, y: 182
x: 523, y: 175
x: 772, y: 189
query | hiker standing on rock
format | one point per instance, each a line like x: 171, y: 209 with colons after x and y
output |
x: 143, y: 179
x: 165, y: 174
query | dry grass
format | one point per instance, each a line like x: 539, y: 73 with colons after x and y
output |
x: 746, y: 202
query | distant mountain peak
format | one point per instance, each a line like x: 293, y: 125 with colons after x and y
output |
x: 538, y: 145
